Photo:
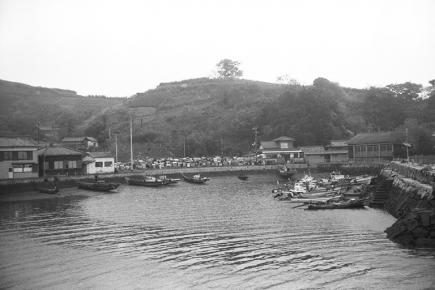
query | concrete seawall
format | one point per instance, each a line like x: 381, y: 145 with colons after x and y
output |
x: 412, y: 203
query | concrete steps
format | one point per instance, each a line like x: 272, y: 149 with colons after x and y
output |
x: 380, y: 195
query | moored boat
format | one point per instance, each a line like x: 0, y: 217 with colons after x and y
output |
x: 348, y: 204
x: 99, y: 185
x: 50, y: 189
x: 150, y: 181
x: 242, y: 176
x: 167, y: 180
x: 197, y: 179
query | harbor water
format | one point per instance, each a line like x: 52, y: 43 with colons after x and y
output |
x: 228, y: 234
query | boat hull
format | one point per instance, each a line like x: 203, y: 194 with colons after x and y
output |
x: 202, y: 180
x: 98, y: 186
x: 142, y: 182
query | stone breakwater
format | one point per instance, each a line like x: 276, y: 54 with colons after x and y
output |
x: 413, y: 204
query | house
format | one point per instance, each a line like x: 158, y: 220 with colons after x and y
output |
x: 18, y: 158
x: 59, y: 160
x: 99, y: 162
x: 338, y: 151
x: 81, y: 143
x: 48, y: 132
x: 381, y: 146
x: 334, y: 153
x: 314, y: 155
x: 280, y: 149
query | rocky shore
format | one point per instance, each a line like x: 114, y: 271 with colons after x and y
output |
x: 412, y: 203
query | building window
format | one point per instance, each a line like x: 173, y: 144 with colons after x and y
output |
x: 18, y: 168
x: 98, y: 164
x: 108, y: 164
x: 284, y: 145
x: 27, y: 168
x: 24, y: 155
x: 72, y: 164
x: 58, y: 164
x: 8, y: 155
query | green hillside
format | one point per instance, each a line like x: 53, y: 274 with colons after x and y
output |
x: 211, y: 116
x: 23, y: 106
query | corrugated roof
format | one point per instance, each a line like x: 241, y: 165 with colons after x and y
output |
x: 59, y: 150
x: 100, y: 154
x: 313, y: 150
x: 376, y: 138
x: 17, y: 142
x: 283, y: 138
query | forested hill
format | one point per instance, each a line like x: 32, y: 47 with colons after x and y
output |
x: 212, y: 116
x: 22, y: 106
x: 217, y: 115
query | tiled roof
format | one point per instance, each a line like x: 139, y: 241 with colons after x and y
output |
x: 17, y: 142
x: 283, y: 138
x: 313, y: 150
x: 100, y: 154
x: 376, y: 138
x: 59, y: 150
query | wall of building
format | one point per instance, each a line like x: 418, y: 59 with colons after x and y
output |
x: 314, y: 159
x: 106, y: 168
x: 49, y: 168
x: 30, y: 169
x: 339, y: 158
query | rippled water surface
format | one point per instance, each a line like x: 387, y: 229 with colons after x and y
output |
x: 227, y: 234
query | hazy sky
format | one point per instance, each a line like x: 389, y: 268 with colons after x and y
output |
x: 118, y: 48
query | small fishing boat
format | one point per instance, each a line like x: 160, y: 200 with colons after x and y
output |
x: 150, y: 181
x: 167, y: 180
x: 352, y: 203
x: 197, y: 179
x: 99, y: 185
x: 47, y: 188
x: 242, y: 176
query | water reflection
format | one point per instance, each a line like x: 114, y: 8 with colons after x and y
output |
x: 228, y: 234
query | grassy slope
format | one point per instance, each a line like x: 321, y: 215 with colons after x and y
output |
x: 24, y: 105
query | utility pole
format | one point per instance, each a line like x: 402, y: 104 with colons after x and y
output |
x: 131, y: 141
x: 407, y: 145
x: 184, y: 147
x: 116, y: 148
x: 37, y: 132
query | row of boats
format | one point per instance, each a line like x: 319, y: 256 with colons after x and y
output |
x: 336, y: 192
x: 102, y: 185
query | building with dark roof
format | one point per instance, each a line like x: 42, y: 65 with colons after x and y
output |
x: 280, y: 149
x: 80, y: 143
x: 334, y: 153
x: 18, y: 158
x: 378, y: 146
x: 59, y: 160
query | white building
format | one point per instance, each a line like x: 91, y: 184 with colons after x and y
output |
x: 99, y: 162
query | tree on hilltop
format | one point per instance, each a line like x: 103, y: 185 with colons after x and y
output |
x: 228, y: 69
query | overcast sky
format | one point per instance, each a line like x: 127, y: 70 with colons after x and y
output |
x: 118, y: 48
